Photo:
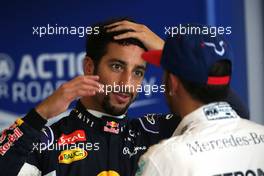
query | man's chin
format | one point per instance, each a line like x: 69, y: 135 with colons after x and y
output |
x: 114, y: 107
x: 119, y: 109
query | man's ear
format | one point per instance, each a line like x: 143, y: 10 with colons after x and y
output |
x: 174, y: 83
x: 88, y: 66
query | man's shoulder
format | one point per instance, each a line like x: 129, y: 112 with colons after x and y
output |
x: 251, y: 124
x: 147, y: 123
x: 51, y: 133
x: 63, y: 121
x: 167, y: 148
x: 165, y: 157
x: 162, y: 124
x: 250, y: 127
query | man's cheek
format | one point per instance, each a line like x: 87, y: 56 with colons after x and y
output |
x: 111, y: 98
x: 134, y: 95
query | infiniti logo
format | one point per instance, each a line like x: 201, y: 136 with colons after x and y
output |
x: 6, y: 67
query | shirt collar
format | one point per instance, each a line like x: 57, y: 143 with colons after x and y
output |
x: 210, y: 113
x: 100, y: 122
x: 99, y: 114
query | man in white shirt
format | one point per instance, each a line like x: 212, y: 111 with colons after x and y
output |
x: 211, y: 140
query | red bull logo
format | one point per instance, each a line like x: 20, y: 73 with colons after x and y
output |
x: 112, y: 127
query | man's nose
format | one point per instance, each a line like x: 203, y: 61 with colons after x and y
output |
x: 126, y: 78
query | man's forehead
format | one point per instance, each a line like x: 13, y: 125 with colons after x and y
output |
x: 112, y: 46
x: 127, y: 53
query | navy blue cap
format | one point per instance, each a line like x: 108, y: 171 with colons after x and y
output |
x: 191, y: 56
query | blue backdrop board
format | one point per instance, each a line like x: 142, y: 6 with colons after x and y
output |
x: 32, y: 66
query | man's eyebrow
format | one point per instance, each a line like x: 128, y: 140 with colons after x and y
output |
x: 143, y: 67
x: 118, y: 60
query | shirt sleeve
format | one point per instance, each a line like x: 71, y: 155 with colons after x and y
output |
x: 17, y: 142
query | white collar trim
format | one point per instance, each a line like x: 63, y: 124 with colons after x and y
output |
x: 99, y: 114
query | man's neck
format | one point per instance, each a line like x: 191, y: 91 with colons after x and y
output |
x: 187, y: 106
x: 90, y: 103
x: 93, y: 108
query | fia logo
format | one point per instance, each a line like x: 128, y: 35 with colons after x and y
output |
x: 218, y: 52
x: 6, y: 67
x: 211, y: 112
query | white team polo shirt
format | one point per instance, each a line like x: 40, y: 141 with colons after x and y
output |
x: 211, y: 141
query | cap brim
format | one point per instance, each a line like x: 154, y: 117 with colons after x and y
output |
x: 152, y: 57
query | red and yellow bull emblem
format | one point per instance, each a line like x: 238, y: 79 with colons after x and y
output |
x: 69, y: 156
x: 111, y: 127
x: 9, y: 136
x: 108, y: 173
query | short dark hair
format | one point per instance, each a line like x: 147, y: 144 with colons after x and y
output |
x: 96, y: 44
x: 210, y: 93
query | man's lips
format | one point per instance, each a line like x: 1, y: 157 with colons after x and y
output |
x: 122, y: 97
